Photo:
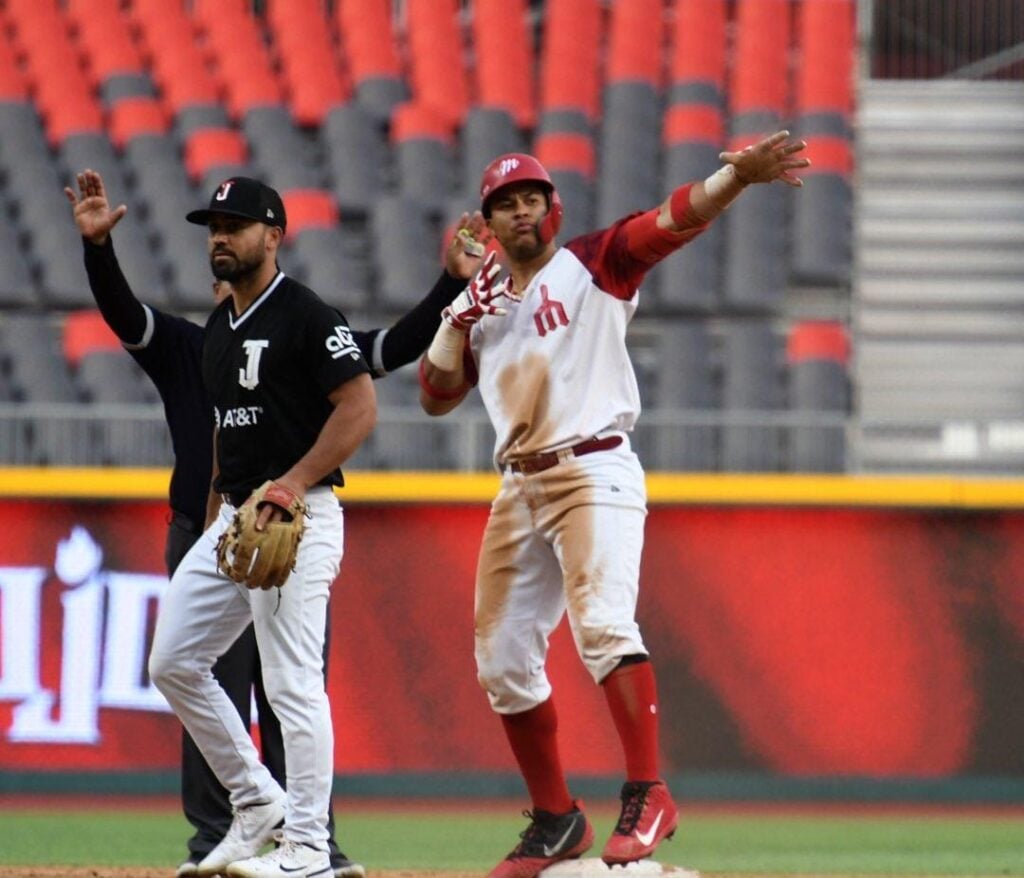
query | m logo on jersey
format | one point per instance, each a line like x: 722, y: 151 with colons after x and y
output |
x: 340, y: 343
x: 507, y: 165
x: 249, y: 377
x: 550, y: 315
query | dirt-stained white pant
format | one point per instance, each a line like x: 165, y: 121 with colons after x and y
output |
x: 567, y: 538
x: 203, y: 612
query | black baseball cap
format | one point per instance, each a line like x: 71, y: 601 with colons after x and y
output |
x: 246, y: 198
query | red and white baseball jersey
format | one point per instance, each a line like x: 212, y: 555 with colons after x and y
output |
x: 555, y: 370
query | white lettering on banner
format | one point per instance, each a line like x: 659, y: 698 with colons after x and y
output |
x: 103, y: 644
x: 21, y: 591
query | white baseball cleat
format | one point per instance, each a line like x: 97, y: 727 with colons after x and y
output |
x: 251, y: 828
x: 292, y: 859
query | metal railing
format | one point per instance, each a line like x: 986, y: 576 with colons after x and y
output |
x: 404, y: 438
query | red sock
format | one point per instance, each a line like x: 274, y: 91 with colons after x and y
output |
x: 633, y: 701
x: 533, y: 737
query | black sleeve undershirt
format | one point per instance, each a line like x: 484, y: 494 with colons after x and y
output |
x: 409, y: 337
x: 117, y: 303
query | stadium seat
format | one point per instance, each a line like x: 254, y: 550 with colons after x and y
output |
x: 437, y: 71
x: 503, y: 47
x: 757, y: 226
x: 17, y: 286
x: 104, y: 37
x: 488, y: 132
x: 309, y: 209
x: 570, y: 57
x: 817, y: 353
x: 691, y: 278
x: 404, y: 246
x: 285, y: 155
x: 822, y: 216
x: 84, y: 332
x: 13, y: 84
x: 751, y: 387
x: 570, y: 160
x: 131, y: 117
x: 312, y: 76
x: 333, y: 265
x: 207, y: 148
x: 424, y: 158
x: 686, y: 381
x: 357, y: 156
x: 368, y: 44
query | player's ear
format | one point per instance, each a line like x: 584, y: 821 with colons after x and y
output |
x: 276, y: 235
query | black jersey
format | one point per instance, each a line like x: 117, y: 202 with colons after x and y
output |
x: 268, y: 373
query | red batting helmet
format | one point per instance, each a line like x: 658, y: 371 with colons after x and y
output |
x: 518, y: 167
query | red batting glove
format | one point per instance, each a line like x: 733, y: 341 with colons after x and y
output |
x: 474, y: 302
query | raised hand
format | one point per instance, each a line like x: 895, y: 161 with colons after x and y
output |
x: 466, y: 250
x: 92, y: 212
x: 769, y: 159
x: 474, y: 302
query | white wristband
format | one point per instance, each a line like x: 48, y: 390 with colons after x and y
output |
x: 445, y: 351
x: 723, y: 187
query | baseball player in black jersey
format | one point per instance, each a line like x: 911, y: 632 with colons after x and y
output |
x: 168, y: 348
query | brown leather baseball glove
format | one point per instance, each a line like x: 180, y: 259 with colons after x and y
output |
x: 262, y: 558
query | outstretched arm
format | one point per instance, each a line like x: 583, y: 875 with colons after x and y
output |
x: 763, y: 162
x: 92, y: 214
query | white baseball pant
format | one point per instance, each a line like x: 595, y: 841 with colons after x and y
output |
x: 566, y: 538
x: 203, y: 612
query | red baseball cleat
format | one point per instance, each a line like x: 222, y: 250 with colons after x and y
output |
x: 548, y: 839
x: 648, y: 816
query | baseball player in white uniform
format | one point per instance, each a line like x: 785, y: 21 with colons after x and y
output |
x: 546, y: 348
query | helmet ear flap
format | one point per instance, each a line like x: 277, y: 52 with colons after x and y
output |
x: 552, y: 222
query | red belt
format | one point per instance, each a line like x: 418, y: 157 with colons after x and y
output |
x: 537, y: 463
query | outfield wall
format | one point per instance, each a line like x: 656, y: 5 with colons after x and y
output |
x: 804, y: 628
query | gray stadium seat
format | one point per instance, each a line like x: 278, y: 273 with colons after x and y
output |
x: 284, y: 156
x: 751, y: 384
x: 17, y: 286
x: 691, y: 278
x: 821, y: 236
x: 425, y: 168
x: 487, y: 133
x: 577, y: 194
x: 333, y: 265
x: 197, y: 116
x: 406, y: 250
x: 357, y: 157
x: 126, y: 85
x: 379, y: 95
x: 630, y: 151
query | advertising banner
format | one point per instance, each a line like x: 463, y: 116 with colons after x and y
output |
x: 871, y: 642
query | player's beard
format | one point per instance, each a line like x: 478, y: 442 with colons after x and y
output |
x: 237, y: 267
x: 523, y: 248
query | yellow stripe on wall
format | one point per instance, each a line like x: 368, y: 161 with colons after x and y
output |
x: 436, y: 487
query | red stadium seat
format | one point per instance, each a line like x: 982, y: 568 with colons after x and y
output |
x: 698, y: 42
x: 85, y: 332
x: 131, y: 117
x: 504, y: 58
x: 567, y: 152
x: 415, y: 120
x: 239, y: 52
x: 75, y: 116
x: 685, y: 123
x: 104, y: 37
x: 13, y: 85
x: 367, y: 38
x: 438, y: 72
x: 634, y: 42
x: 825, y: 75
x: 570, y: 63
x: 312, y: 77
x: 760, y: 72
x: 208, y: 147
x: 310, y: 209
